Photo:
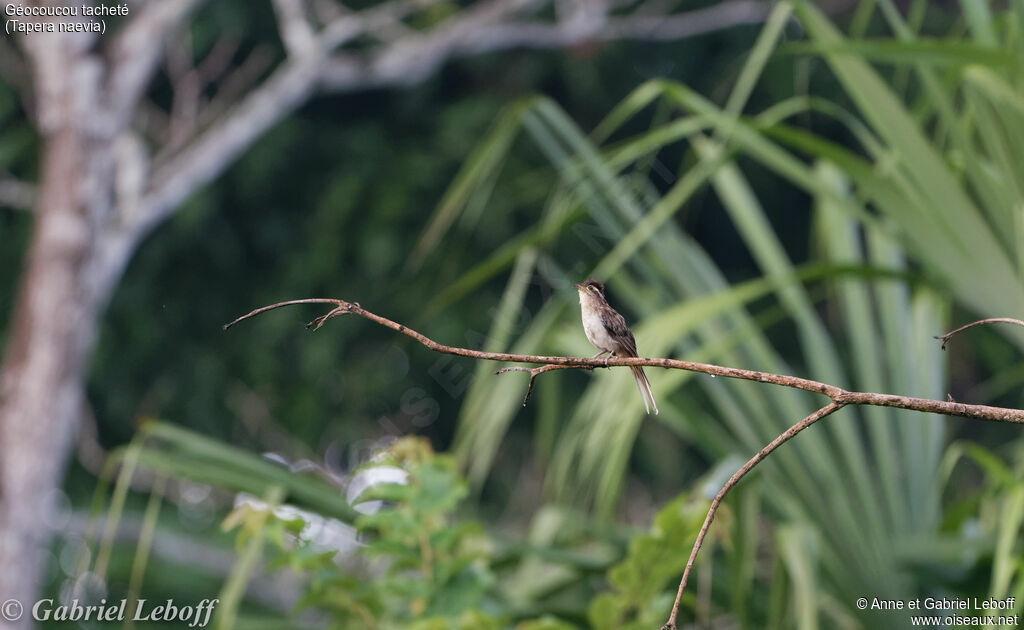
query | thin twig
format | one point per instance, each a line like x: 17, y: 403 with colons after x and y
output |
x: 991, y: 320
x: 229, y: 87
x: 739, y: 474
x: 270, y: 307
x: 534, y: 372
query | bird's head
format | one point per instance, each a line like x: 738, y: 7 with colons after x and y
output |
x: 590, y: 287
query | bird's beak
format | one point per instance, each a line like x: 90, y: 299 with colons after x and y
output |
x: 578, y: 286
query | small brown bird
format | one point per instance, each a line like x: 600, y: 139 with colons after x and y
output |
x: 607, y: 330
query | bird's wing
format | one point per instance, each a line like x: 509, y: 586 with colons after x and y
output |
x: 616, y: 326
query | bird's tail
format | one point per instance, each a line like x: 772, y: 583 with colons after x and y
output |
x: 645, y: 388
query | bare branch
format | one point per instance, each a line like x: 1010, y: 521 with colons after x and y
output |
x: 17, y: 194
x: 412, y: 58
x: 288, y: 87
x: 203, y: 159
x: 325, y: 11
x: 739, y: 474
x: 484, y: 26
x: 218, y: 60
x: 188, y: 82
x: 233, y: 85
x: 837, y: 394
x: 378, y: 19
x: 652, y: 27
x: 991, y: 320
x: 132, y: 162
x: 136, y: 52
x: 186, y: 89
x: 534, y: 373
x: 153, y: 122
x: 713, y: 18
x: 296, y: 33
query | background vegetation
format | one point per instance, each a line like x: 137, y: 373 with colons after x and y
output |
x: 818, y: 195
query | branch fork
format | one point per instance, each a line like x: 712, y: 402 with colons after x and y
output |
x: 537, y: 371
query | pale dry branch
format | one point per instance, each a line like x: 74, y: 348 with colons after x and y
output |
x: 400, y: 57
x: 296, y: 31
x: 410, y: 60
x: 232, y: 86
x: 136, y: 52
x: 406, y: 57
x: 709, y: 19
x: 218, y: 61
x: 189, y: 81
x: 153, y: 122
x: 636, y: 26
x: 178, y: 59
x: 326, y: 11
x: 206, y: 156
x: 377, y: 21
x: 186, y: 88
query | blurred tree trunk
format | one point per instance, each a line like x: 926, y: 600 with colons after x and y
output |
x: 66, y: 279
x: 41, y: 375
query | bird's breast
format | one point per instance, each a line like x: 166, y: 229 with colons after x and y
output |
x: 596, y: 332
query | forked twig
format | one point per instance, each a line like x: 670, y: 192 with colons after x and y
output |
x: 317, y: 322
x: 535, y: 372
x: 991, y: 320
